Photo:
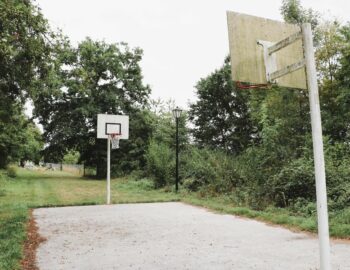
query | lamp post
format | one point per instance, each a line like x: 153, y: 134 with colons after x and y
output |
x: 177, y: 113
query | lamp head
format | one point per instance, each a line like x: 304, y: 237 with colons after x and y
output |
x: 177, y: 112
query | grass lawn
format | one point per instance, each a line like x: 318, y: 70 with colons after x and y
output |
x: 32, y: 189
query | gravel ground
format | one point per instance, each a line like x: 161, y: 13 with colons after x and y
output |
x: 171, y: 236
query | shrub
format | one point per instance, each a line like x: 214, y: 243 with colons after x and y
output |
x: 11, y: 171
x: 304, y: 207
x: 209, y: 170
x: 72, y: 157
x: 191, y: 184
x: 294, y: 185
x: 3, y: 179
x: 142, y: 184
x: 255, y: 168
x: 295, y: 180
x: 160, y: 163
x: 195, y: 168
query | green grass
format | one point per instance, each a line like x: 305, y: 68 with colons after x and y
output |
x: 46, y: 188
x: 339, y: 221
x: 271, y: 215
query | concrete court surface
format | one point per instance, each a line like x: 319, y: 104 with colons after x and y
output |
x: 171, y: 236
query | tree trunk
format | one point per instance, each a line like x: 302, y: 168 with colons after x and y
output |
x: 101, y: 170
x: 22, y: 163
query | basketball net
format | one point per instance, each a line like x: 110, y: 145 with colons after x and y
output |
x: 115, y: 140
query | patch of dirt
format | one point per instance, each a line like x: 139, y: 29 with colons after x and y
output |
x: 31, y: 244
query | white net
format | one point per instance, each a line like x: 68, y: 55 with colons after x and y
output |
x: 115, y: 141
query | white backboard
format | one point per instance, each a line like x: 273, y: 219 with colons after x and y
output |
x: 247, y: 59
x: 109, y: 123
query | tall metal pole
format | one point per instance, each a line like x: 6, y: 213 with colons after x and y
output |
x: 321, y: 190
x: 177, y: 155
x: 109, y: 170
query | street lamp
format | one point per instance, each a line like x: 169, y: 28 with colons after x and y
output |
x: 177, y: 113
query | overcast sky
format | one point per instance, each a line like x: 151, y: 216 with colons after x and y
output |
x: 183, y: 40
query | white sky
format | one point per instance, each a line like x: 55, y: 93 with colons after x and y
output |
x: 183, y: 41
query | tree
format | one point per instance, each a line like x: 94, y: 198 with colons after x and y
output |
x: 333, y: 93
x: 331, y: 40
x: 25, y: 46
x: 294, y: 13
x: 328, y: 52
x: 221, y: 115
x: 93, y: 78
x: 163, y: 124
x: 343, y: 75
x: 20, y: 140
x: 160, y: 154
x: 72, y: 157
x: 32, y: 143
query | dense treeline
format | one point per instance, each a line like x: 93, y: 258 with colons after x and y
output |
x: 253, y: 146
x: 24, y: 46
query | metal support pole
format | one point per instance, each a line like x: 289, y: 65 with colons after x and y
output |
x: 177, y: 155
x: 320, y: 175
x: 109, y: 170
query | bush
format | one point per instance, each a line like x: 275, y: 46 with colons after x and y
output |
x: 295, y: 180
x: 11, y: 171
x: 304, y: 207
x: 160, y: 163
x: 294, y: 185
x: 255, y: 168
x: 191, y: 184
x: 209, y: 170
x: 72, y: 157
x: 255, y: 178
x: 142, y: 184
x: 3, y: 179
x: 195, y: 168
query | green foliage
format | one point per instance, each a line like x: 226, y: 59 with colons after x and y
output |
x: 143, y: 184
x: 160, y: 156
x: 25, y: 48
x: 32, y: 144
x: 343, y: 75
x: 294, y: 13
x: 3, y: 179
x: 275, y: 167
x: 160, y: 163
x: 296, y: 180
x: 72, y: 157
x: 164, y: 126
x: 93, y: 78
x: 209, y: 171
x: 132, y: 155
x: 11, y: 171
x: 332, y: 59
x: 221, y: 115
x: 20, y: 140
x: 338, y: 175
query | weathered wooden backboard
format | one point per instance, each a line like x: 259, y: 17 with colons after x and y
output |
x: 247, y: 58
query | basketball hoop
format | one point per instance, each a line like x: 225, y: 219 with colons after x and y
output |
x: 115, y: 137
x: 241, y: 86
